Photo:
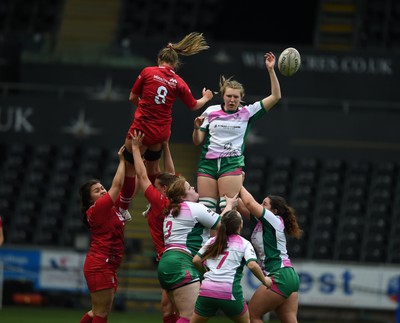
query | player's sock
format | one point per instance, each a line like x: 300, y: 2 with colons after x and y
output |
x: 183, y: 320
x: 126, y: 196
x: 86, y: 319
x: 209, y: 202
x: 99, y: 319
x: 222, y: 203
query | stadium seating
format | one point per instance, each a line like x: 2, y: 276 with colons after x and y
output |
x: 36, y: 22
x: 349, y: 211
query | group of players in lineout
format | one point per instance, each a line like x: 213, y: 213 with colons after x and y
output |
x: 200, y: 253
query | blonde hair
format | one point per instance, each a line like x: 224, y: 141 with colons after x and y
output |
x: 229, y: 82
x: 191, y: 44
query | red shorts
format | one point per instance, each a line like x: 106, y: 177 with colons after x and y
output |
x: 154, y: 134
x: 100, y: 274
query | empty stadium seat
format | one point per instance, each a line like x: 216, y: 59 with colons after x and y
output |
x: 308, y: 164
x: 347, y: 247
x: 374, y: 248
x: 332, y: 166
x: 355, y: 194
x: 359, y: 167
x: 297, y: 248
x: 393, y: 248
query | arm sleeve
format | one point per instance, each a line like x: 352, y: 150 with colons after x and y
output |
x: 152, y: 195
x: 206, y: 217
x: 186, y: 95
x: 270, y: 219
x: 249, y: 253
x: 137, y: 87
x: 99, y: 212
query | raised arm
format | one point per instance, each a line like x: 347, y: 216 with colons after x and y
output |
x: 119, y: 177
x: 141, y: 173
x: 276, y: 95
x: 242, y: 209
x: 207, y: 96
x: 198, y: 135
x: 169, y: 166
x: 250, y: 203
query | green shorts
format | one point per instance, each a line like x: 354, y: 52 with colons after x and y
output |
x: 176, y: 269
x: 285, y: 281
x: 216, y: 168
x: 208, y: 307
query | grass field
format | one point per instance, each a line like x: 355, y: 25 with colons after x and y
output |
x: 63, y: 315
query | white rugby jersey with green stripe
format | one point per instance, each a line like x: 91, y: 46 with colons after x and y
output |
x: 190, y: 230
x: 226, y: 131
x: 269, y: 241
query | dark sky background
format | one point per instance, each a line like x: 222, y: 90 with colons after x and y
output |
x: 267, y: 21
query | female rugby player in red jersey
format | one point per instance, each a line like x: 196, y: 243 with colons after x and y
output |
x: 101, y: 213
x: 154, y: 92
x: 157, y: 196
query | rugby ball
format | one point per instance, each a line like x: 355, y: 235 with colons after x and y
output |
x: 289, y: 61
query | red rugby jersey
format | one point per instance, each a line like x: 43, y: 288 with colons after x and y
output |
x: 158, y: 88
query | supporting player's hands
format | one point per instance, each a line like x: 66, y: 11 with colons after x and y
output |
x: 137, y: 138
x: 121, y: 153
x: 269, y: 60
x: 232, y: 202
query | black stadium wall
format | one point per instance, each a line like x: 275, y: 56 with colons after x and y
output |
x: 339, y: 104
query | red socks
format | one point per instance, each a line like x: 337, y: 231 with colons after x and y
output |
x: 98, y: 319
x: 183, y: 320
x: 127, y: 191
x: 86, y: 319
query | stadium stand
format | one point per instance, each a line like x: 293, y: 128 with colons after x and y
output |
x: 327, y: 192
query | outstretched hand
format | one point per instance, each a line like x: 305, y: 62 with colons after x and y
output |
x: 232, y: 201
x: 269, y: 60
x: 137, y: 138
x: 121, y: 153
x: 208, y: 94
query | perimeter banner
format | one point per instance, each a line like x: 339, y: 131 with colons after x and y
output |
x: 341, y: 285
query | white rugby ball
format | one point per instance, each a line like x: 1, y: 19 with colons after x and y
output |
x: 289, y: 61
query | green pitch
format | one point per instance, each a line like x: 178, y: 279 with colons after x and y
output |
x: 16, y: 314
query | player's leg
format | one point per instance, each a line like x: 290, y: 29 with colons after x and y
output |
x: 287, y: 311
x: 185, y: 299
x: 168, y: 308
x: 102, y: 303
x: 196, y: 318
x: 152, y: 158
x: 229, y: 185
x: 207, y: 187
x: 263, y: 301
